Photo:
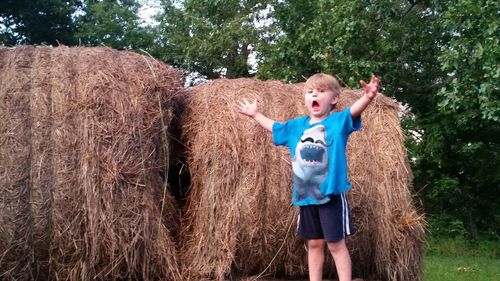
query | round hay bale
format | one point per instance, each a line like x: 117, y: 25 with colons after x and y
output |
x: 238, y: 218
x: 80, y: 167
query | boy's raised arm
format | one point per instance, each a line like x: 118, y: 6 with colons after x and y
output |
x: 250, y: 109
x: 370, y: 91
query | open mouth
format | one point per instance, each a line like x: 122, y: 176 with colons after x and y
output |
x: 315, y: 105
x: 312, y: 154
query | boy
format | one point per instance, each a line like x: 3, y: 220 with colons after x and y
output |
x: 317, y: 144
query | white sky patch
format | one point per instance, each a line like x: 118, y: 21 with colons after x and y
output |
x: 149, y: 9
x: 252, y: 60
x: 261, y: 17
x: 261, y: 20
x: 193, y: 79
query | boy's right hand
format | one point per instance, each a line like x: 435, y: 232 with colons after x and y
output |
x: 248, y: 108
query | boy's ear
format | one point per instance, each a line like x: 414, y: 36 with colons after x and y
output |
x: 335, y: 100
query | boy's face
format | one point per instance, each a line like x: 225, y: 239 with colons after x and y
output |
x: 319, y: 101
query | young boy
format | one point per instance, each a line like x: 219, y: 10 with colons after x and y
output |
x: 317, y: 144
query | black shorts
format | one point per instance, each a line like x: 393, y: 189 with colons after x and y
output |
x: 330, y: 221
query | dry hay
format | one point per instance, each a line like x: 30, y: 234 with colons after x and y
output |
x: 238, y: 219
x: 80, y: 169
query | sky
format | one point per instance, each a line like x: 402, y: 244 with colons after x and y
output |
x: 148, y: 10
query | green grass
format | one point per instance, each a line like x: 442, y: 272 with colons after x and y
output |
x: 461, y: 260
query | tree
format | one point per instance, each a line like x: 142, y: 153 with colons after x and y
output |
x: 471, y: 57
x: 113, y: 23
x: 37, y: 21
x: 212, y: 38
x: 460, y: 155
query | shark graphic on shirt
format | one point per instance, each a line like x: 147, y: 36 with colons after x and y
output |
x: 310, y: 164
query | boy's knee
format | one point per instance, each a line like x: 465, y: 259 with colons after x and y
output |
x: 315, y: 244
x: 336, y: 247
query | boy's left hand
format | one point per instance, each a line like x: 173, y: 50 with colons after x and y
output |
x: 371, y: 89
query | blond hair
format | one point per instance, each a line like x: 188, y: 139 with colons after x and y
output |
x: 325, y: 81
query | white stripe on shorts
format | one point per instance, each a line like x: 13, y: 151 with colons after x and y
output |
x: 345, y: 215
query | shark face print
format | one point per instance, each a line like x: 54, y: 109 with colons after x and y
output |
x: 310, y: 164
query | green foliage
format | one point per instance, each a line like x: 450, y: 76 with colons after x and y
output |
x: 460, y: 247
x: 446, y: 226
x: 471, y: 57
x: 354, y: 39
x: 113, y: 23
x: 213, y: 38
x: 37, y: 21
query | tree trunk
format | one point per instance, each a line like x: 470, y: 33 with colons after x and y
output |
x: 472, y: 225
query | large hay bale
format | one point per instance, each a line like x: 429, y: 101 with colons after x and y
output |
x: 238, y: 217
x: 80, y: 169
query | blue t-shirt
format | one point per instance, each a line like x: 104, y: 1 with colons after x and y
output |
x: 318, y: 154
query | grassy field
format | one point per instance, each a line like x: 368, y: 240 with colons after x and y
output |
x: 460, y: 260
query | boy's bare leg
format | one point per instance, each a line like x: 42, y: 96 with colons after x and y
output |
x: 315, y: 258
x: 342, y: 259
